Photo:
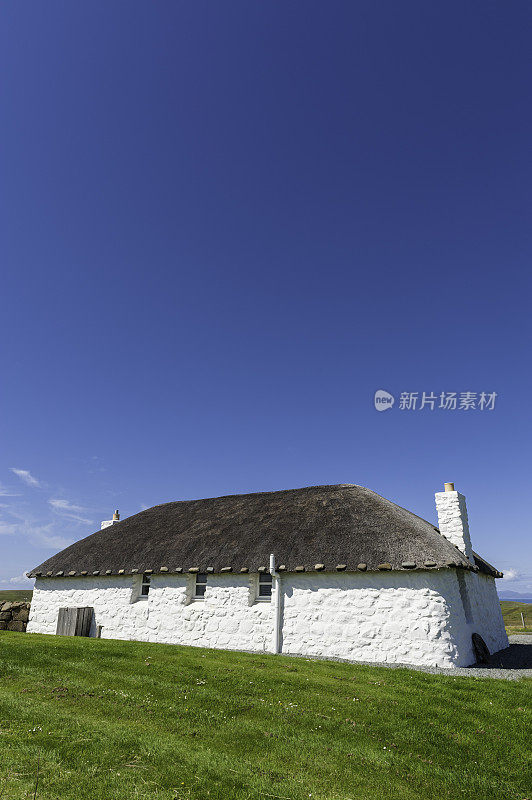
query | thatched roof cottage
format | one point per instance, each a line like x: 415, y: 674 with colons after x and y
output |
x: 333, y: 571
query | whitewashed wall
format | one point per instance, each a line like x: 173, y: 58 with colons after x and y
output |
x: 485, y: 612
x: 224, y: 618
x: 414, y: 617
x: 411, y: 617
x: 388, y: 617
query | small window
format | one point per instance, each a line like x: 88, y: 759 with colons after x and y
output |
x: 201, y: 585
x: 145, y: 585
x: 265, y: 586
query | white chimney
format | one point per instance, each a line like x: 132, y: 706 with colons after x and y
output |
x: 107, y: 522
x: 452, y: 519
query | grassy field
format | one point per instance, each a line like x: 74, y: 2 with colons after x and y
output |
x: 15, y: 594
x: 100, y: 719
x: 511, y: 612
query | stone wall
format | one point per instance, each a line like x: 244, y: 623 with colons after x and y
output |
x: 14, y: 616
x: 229, y: 615
x: 413, y: 617
x: 390, y: 617
x: 486, y: 615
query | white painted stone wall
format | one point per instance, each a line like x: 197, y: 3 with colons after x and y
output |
x: 485, y: 612
x: 410, y: 617
x: 224, y: 618
x: 385, y: 616
x: 453, y: 521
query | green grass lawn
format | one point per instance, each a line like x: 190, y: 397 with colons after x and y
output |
x: 511, y: 613
x: 127, y: 720
x: 15, y: 594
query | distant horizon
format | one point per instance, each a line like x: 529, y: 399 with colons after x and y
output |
x: 514, y: 596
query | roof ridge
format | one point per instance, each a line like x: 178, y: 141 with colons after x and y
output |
x: 323, y: 486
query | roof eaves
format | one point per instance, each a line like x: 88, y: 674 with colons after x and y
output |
x: 384, y: 566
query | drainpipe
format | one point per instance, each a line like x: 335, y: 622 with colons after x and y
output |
x: 276, y: 605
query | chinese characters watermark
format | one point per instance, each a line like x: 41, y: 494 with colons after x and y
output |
x: 446, y: 401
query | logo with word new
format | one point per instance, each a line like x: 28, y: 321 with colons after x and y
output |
x: 430, y: 401
x: 383, y: 400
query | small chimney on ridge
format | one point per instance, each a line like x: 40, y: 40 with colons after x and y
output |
x: 452, y: 519
x: 107, y: 522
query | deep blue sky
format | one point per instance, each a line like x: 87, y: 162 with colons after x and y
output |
x: 225, y: 225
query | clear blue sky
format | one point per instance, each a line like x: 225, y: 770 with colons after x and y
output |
x: 225, y: 225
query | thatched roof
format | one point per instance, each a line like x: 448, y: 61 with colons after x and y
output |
x: 343, y: 527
